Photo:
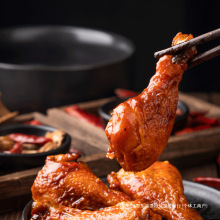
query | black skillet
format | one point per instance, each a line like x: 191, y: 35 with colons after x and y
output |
x: 46, y: 66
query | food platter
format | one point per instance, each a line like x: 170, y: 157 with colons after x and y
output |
x: 195, y: 193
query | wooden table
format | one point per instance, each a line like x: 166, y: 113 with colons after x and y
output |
x: 187, y: 173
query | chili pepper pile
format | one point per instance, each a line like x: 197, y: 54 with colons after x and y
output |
x: 81, y: 114
x: 17, y: 143
x: 29, y: 139
x: 20, y: 139
x: 198, y: 121
x: 16, y: 149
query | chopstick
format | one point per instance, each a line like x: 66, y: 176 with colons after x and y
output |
x: 208, y: 55
x: 194, y: 42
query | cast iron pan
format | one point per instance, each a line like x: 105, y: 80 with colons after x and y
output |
x: 60, y: 65
x: 16, y: 162
x: 61, y: 47
x: 196, y: 194
x: 180, y: 120
x: 208, y: 197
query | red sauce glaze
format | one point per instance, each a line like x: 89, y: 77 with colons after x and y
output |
x: 140, y: 127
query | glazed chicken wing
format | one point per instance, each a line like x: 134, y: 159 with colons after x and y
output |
x: 140, y: 127
x: 160, y: 185
x: 63, y: 181
x: 134, y: 210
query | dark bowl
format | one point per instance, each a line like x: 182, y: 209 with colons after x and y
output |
x: 59, y: 65
x: 16, y: 162
x: 196, y: 194
x: 180, y: 120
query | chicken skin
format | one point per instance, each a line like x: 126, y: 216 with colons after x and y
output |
x: 160, y: 185
x: 140, y: 127
x: 63, y: 181
x: 133, y: 210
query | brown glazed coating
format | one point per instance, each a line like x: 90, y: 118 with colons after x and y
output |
x: 133, y: 210
x: 62, y: 181
x: 140, y: 127
x: 160, y: 185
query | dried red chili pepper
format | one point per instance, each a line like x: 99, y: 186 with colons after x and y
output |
x: 202, y: 120
x: 197, y: 121
x: 192, y: 129
x: 209, y: 181
x: 16, y: 149
x: 125, y: 93
x: 33, y: 122
x: 30, y: 139
x: 81, y: 114
x: 196, y: 114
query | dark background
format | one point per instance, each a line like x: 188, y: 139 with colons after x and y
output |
x: 151, y: 25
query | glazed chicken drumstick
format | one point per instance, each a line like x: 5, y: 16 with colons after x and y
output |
x: 63, y: 181
x: 160, y: 185
x: 140, y: 127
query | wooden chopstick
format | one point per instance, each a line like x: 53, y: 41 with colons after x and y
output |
x: 208, y: 55
x: 195, y: 41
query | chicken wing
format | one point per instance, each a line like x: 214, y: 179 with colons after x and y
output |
x: 140, y: 127
x: 160, y: 185
x: 134, y: 210
x: 66, y: 182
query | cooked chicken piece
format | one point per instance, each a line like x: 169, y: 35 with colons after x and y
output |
x: 135, y: 210
x: 62, y: 181
x: 27, y: 146
x: 140, y: 127
x: 160, y: 185
x: 48, y: 146
x: 30, y: 151
x: 57, y: 136
x: 6, y: 143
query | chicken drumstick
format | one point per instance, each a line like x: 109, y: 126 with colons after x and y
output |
x: 140, y: 127
x: 160, y: 185
x: 62, y: 181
